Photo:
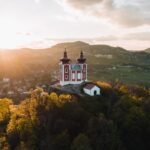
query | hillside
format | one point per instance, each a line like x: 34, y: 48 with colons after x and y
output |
x: 116, y: 120
x: 104, y: 62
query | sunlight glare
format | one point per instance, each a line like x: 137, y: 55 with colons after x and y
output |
x: 9, y: 30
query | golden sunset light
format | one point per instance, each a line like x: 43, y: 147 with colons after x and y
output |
x: 74, y: 74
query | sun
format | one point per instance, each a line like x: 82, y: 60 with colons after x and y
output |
x: 9, y: 34
x: 8, y: 41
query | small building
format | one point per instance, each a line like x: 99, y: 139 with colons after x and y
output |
x: 6, y: 80
x: 10, y: 92
x: 91, y: 89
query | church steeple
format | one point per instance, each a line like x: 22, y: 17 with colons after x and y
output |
x: 65, y: 53
x: 81, y: 59
x: 65, y: 58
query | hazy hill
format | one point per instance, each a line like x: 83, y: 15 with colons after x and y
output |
x: 104, y: 62
x: 147, y: 50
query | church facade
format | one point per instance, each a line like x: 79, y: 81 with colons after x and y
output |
x: 73, y: 73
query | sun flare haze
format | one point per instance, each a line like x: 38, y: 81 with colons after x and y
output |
x: 42, y: 23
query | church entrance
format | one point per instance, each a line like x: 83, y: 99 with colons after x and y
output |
x: 95, y: 92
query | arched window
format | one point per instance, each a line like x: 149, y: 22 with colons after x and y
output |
x: 66, y: 70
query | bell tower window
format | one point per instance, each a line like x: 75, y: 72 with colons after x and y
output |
x: 66, y: 70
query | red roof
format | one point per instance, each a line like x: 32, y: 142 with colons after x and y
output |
x: 89, y: 86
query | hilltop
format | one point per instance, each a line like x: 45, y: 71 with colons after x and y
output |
x: 116, y: 120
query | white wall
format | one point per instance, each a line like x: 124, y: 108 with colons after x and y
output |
x: 87, y: 91
x: 62, y: 82
x: 97, y: 89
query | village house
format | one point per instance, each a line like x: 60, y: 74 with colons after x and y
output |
x: 91, y: 89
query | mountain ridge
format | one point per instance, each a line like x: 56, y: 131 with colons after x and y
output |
x: 104, y: 62
x: 70, y: 44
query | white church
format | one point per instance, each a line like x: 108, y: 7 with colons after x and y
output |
x: 76, y: 73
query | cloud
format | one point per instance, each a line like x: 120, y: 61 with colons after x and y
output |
x: 138, y: 36
x: 37, y: 1
x: 142, y: 36
x: 107, y: 38
x: 24, y: 33
x: 127, y: 13
x: 83, y: 3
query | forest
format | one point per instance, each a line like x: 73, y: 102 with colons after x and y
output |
x: 119, y: 119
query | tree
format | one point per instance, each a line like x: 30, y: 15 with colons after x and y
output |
x: 61, y: 141
x: 5, y: 110
x: 103, y: 134
x: 63, y: 98
x: 81, y: 142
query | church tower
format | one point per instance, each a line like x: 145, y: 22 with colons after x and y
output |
x: 64, y: 69
x: 82, y: 62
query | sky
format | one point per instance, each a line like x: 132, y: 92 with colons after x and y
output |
x: 43, y: 23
